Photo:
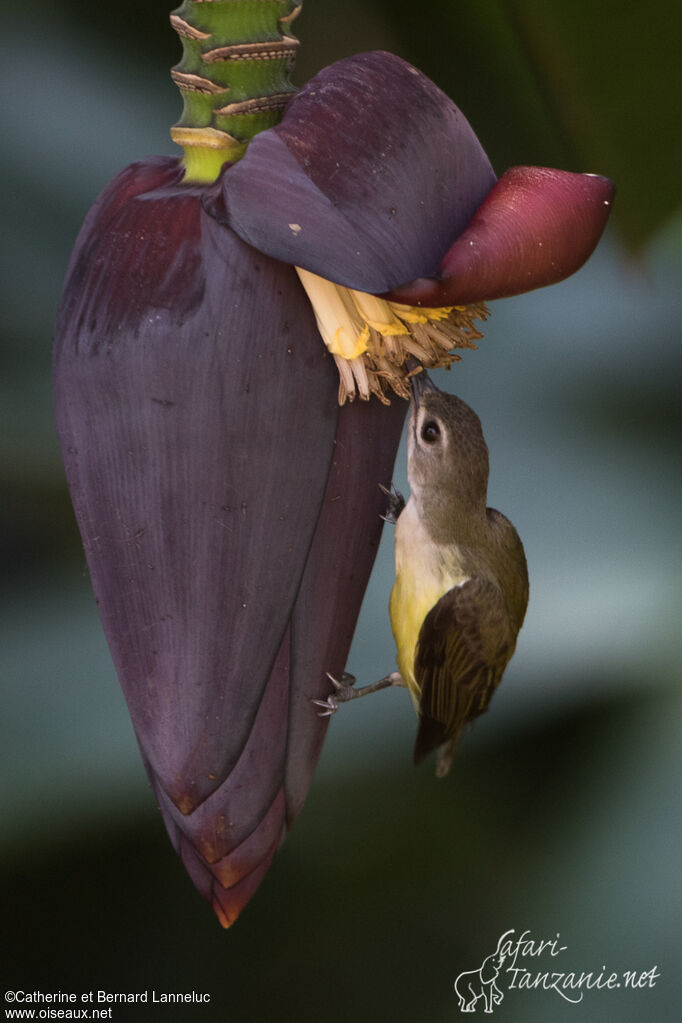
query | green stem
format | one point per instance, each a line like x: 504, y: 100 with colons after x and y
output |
x: 233, y: 77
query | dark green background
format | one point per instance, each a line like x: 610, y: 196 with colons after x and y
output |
x: 562, y: 812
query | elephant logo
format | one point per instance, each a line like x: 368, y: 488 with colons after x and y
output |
x: 473, y: 985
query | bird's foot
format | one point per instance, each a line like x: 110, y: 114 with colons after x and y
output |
x: 344, y: 690
x: 395, y: 503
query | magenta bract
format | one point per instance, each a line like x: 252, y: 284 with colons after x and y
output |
x: 375, y: 180
x: 229, y: 511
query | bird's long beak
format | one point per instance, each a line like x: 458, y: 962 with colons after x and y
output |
x: 420, y: 381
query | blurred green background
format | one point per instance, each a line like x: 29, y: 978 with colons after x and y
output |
x: 562, y: 813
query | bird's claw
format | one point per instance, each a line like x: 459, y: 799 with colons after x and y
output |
x: 344, y: 692
x: 330, y: 706
x: 395, y: 504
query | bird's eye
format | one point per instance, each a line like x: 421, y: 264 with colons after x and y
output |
x: 430, y: 431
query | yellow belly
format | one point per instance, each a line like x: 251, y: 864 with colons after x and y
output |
x: 409, y: 606
x: 423, y: 574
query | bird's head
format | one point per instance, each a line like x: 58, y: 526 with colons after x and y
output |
x: 447, y: 462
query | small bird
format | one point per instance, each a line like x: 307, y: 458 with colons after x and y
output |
x: 461, y: 586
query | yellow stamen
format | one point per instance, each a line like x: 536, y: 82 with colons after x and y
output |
x: 378, y: 314
x: 422, y: 314
x: 342, y: 330
x: 370, y: 337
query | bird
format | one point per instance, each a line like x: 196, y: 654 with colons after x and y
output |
x: 461, y: 579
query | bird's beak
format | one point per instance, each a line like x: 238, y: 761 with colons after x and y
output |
x: 420, y: 381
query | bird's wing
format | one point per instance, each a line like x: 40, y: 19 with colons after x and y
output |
x: 464, y: 644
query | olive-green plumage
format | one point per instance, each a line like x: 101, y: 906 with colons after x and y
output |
x: 461, y: 586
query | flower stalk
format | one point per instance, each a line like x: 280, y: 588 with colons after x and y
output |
x: 233, y: 77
